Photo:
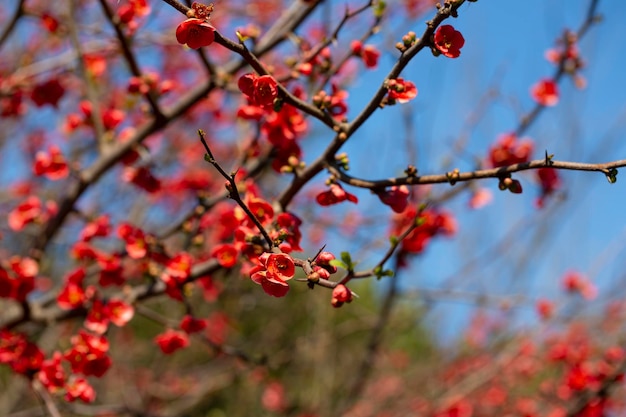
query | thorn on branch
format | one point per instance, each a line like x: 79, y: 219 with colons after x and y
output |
x: 549, y: 161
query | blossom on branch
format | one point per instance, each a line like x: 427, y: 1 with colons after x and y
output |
x: 273, y: 272
x: 51, y: 164
x: 545, y: 92
x: 171, y: 340
x: 449, y: 41
x: 261, y: 91
x: 336, y: 194
x: 400, y: 91
x: 397, y: 197
x: 508, y: 150
x: 195, y: 33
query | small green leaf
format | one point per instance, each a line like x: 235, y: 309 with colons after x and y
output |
x: 393, y: 240
x: 379, y: 8
x: 338, y: 263
x: 346, y: 258
x: 241, y: 37
x: 420, y: 221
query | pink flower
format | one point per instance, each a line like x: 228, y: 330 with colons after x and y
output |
x: 196, y: 33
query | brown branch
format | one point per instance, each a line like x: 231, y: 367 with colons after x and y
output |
x: 456, y: 177
x: 129, y: 56
x: 233, y: 193
x: 19, y: 12
x: 344, y: 132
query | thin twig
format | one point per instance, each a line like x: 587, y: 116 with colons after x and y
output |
x: 233, y: 192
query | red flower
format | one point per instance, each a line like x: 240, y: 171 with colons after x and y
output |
x: 280, y: 266
x: 368, y: 53
x: 575, y: 282
x: 508, y: 150
x: 226, y: 255
x: 401, y: 91
x: 97, y: 319
x: 20, y: 354
x: 171, y: 340
x: 142, y: 178
x: 545, y: 308
x: 98, y: 227
x: 135, y: 239
x: 545, y: 92
x: 449, y: 41
x: 73, y: 294
x: 550, y: 182
x: 25, y: 213
x: 432, y: 223
x: 273, y: 398
x: 49, y: 22
x: 397, y: 198
x: 119, y: 312
x: 341, y: 294
x: 49, y: 92
x: 20, y: 280
x: 88, y: 354
x: 190, y: 324
x: 335, y: 195
x: 51, y: 164
x: 79, y: 389
x: 273, y: 272
x: 261, y: 209
x: 261, y: 91
x: 196, y: 33
x: 52, y: 375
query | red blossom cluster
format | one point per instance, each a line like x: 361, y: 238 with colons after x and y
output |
x: 509, y: 150
x: 51, y: 164
x: 111, y: 117
x: 430, y: 223
x: 31, y: 211
x: 281, y: 126
x: 567, y: 54
x: 368, y: 53
x: 18, y: 279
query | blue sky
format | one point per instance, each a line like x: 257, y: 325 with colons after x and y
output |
x: 504, y: 51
